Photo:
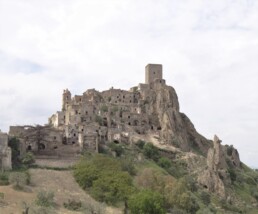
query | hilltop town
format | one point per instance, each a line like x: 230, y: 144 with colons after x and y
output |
x: 148, y: 112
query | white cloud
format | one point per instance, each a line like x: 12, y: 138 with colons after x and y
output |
x: 208, y: 50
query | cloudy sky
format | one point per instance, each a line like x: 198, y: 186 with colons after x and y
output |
x: 208, y: 48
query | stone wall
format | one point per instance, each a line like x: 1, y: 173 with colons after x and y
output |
x: 5, y: 153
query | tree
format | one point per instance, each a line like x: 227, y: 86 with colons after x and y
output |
x: 37, y: 134
x: 112, y: 187
x: 146, y: 202
x: 150, y: 151
x: 14, y: 143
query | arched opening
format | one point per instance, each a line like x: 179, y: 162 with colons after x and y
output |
x: 159, y: 128
x: 116, y: 141
x: 42, y: 146
x: 152, y: 127
x: 29, y: 148
x: 105, y: 123
x: 73, y: 142
x: 129, y: 124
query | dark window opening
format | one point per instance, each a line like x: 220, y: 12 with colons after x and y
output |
x: 159, y: 128
x: 129, y: 124
x: 152, y: 127
x: 29, y: 148
x: 74, y: 135
x: 54, y: 137
x: 55, y: 147
x: 42, y: 146
x: 128, y: 117
x: 73, y: 142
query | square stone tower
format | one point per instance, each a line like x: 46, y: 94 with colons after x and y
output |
x: 152, y: 72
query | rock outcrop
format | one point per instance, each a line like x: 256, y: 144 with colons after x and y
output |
x: 176, y: 128
x: 219, y: 159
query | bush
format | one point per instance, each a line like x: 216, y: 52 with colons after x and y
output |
x: 151, y: 152
x: 45, y: 199
x: 164, y: 163
x: 140, y: 144
x: 127, y: 165
x: 232, y: 174
x: 206, y: 198
x: 145, y: 202
x: 4, y: 179
x: 28, y: 159
x: 112, y: 187
x: 73, y: 205
x: 19, y: 179
x: 104, y: 108
x: 104, y: 177
x: 118, y: 149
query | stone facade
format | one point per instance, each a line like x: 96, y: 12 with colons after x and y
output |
x: 151, y: 107
x: 37, y: 138
x: 5, y: 153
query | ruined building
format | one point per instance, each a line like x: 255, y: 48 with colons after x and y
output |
x: 5, y: 153
x: 94, y: 118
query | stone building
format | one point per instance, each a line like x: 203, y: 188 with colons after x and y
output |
x: 95, y: 118
x: 5, y: 153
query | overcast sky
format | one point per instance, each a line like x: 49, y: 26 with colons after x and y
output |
x: 208, y: 48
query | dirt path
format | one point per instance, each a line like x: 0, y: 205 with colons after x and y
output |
x: 63, y: 185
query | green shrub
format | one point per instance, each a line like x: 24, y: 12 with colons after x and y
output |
x: 45, y: 199
x: 232, y: 174
x: 206, y: 198
x: 4, y: 179
x: 164, y: 162
x: 99, y: 120
x: 140, y: 144
x: 112, y: 187
x: 127, y: 165
x: 18, y: 179
x: 1, y: 195
x: 28, y: 159
x: 117, y: 148
x: 151, y: 152
x: 145, y: 202
x: 104, y: 108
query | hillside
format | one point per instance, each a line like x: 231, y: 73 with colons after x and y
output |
x: 131, y: 150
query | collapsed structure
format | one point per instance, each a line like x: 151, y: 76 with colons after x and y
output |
x: 116, y: 115
x: 5, y: 153
x: 150, y: 109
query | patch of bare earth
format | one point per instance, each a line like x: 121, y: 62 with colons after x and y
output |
x: 62, y: 183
